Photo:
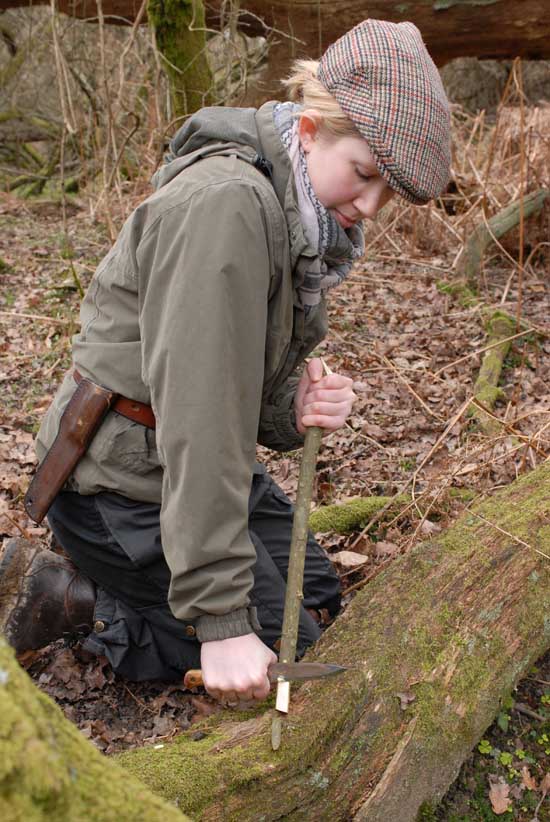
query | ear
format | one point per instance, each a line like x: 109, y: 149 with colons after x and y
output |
x: 308, y: 128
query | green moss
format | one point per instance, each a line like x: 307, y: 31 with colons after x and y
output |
x: 500, y: 327
x: 180, y: 35
x: 48, y: 771
x: 463, y: 494
x: 426, y: 813
x: 460, y: 291
x: 542, y: 540
x: 355, y: 513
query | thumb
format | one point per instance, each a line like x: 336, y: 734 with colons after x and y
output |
x: 315, y: 369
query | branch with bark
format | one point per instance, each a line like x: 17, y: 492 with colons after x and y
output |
x: 468, y: 264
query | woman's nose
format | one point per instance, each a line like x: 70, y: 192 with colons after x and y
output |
x: 373, y: 198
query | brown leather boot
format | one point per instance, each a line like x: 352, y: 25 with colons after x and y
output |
x: 43, y: 597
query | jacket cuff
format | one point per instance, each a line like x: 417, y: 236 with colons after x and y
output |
x: 211, y: 627
x: 284, y: 422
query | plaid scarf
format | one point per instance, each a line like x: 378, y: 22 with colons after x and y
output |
x: 337, y: 248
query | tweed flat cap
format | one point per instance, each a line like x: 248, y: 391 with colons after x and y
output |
x: 385, y: 81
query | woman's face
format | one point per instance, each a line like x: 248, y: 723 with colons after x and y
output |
x: 343, y: 174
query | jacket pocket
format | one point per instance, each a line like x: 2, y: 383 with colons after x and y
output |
x: 126, y: 444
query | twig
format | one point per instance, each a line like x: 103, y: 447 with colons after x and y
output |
x: 509, y: 428
x: 64, y: 96
x: 434, y: 448
x: 16, y: 524
x: 410, y: 388
x: 508, y: 534
x: 295, y: 577
x: 516, y: 70
x: 385, y: 230
x: 481, y: 351
x: 521, y: 708
x: 139, y: 701
x: 416, y: 263
x: 34, y: 317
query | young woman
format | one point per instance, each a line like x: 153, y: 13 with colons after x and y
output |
x: 197, y: 325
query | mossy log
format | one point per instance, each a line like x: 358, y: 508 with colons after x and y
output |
x: 468, y: 264
x: 180, y: 34
x: 353, y: 514
x: 500, y: 328
x: 50, y: 772
x: 451, y: 28
x: 453, y: 624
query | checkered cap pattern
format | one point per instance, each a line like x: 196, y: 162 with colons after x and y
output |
x: 386, y: 82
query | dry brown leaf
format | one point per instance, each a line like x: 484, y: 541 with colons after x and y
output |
x: 385, y: 550
x: 429, y: 528
x: 545, y: 784
x: 349, y: 559
x: 499, y: 795
x: 527, y: 780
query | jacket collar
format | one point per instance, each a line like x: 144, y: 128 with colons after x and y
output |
x: 283, y: 182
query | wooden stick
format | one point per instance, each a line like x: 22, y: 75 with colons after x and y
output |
x: 294, y: 593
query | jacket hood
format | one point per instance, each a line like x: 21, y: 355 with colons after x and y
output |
x: 250, y: 134
x: 213, y: 130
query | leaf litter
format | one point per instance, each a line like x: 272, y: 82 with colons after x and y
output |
x: 413, y: 352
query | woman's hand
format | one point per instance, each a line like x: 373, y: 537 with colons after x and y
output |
x: 235, y: 670
x: 320, y: 400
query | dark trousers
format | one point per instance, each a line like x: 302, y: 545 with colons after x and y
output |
x: 116, y: 542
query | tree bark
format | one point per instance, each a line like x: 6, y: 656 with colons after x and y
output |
x: 50, y: 772
x: 453, y: 625
x: 181, y: 40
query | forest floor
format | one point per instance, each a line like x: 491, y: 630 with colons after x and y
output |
x: 414, y: 354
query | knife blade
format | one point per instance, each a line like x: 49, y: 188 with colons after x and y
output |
x: 286, y: 671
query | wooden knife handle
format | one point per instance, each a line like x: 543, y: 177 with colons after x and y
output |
x: 193, y: 679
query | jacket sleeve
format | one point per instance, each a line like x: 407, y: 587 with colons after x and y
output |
x: 204, y: 280
x: 278, y: 421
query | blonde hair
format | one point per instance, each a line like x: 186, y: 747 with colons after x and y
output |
x: 303, y: 86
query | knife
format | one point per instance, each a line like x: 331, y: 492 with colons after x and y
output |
x: 280, y: 671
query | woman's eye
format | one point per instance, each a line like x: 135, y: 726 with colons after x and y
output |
x: 361, y: 175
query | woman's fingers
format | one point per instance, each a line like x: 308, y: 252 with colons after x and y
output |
x: 235, y: 670
x: 337, y: 395
x: 326, y: 423
x: 325, y: 401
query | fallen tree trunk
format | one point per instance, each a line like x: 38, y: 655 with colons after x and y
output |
x: 354, y: 514
x: 49, y: 771
x: 452, y: 625
x: 451, y: 28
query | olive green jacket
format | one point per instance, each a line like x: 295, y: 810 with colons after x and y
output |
x: 195, y: 311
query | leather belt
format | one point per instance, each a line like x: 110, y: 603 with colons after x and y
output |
x: 131, y: 409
